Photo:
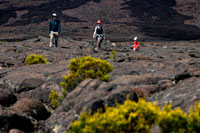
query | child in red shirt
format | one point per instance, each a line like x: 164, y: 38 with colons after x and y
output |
x: 136, y: 44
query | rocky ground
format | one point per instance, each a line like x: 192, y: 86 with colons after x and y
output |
x: 162, y: 71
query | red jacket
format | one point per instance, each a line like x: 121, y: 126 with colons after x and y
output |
x: 136, y: 45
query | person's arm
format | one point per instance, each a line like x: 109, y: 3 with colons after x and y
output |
x: 94, y: 35
x: 59, y: 28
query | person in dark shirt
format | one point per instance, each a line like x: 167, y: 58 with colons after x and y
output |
x: 99, y: 34
x: 54, y: 30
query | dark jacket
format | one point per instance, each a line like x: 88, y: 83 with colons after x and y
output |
x: 54, y: 25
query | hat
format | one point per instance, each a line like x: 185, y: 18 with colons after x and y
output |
x: 135, y: 38
x: 99, y: 22
x: 54, y: 15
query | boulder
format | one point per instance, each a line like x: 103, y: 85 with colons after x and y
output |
x: 7, y: 97
x: 29, y: 84
x: 19, y: 79
x: 33, y: 108
x: 10, y: 119
x: 42, y: 92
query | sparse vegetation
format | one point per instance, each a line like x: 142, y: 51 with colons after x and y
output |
x: 113, y: 55
x: 36, y: 59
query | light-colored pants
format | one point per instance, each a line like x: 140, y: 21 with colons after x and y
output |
x: 99, y: 38
x: 53, y: 35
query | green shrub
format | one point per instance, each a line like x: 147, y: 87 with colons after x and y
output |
x: 113, y: 54
x: 81, y: 69
x: 138, y: 117
x: 86, y: 67
x: 35, y: 59
x: 194, y: 119
x: 55, y: 99
x: 64, y: 92
x: 172, y: 121
x: 130, y: 117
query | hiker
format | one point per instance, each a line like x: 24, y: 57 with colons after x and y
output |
x: 136, y: 44
x: 54, y: 30
x: 99, y: 34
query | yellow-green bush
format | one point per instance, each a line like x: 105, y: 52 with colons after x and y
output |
x: 81, y: 69
x: 194, y: 119
x: 55, y: 98
x: 86, y: 67
x: 138, y: 117
x: 172, y: 121
x: 36, y: 59
x: 130, y: 117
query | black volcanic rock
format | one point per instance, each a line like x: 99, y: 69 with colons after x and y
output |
x: 7, y: 97
x: 9, y: 119
x: 42, y: 93
x: 33, y: 108
x: 29, y: 84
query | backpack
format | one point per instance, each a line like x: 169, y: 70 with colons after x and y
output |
x: 99, y: 30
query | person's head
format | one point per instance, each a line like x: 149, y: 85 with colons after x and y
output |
x: 54, y: 16
x: 99, y: 22
x: 135, y: 38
